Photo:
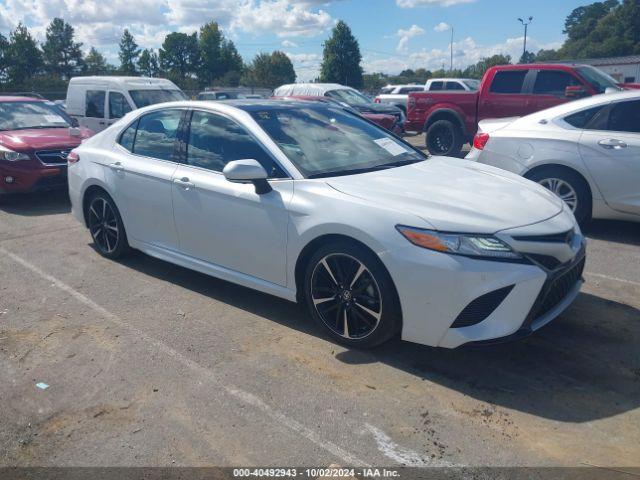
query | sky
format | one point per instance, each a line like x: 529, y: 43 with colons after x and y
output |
x: 393, y: 34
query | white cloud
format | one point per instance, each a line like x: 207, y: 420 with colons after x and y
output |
x: 428, y: 3
x: 306, y: 65
x: 289, y: 44
x: 442, y: 27
x: 405, y: 35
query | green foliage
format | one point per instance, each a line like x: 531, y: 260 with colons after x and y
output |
x: 24, y: 59
x: 95, y: 63
x: 62, y: 55
x: 149, y: 63
x: 210, y: 44
x: 4, y: 59
x: 270, y: 70
x: 527, y: 57
x: 129, y: 53
x: 341, y: 58
x: 179, y: 55
x: 479, y: 69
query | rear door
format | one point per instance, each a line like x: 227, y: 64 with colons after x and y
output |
x: 612, y: 154
x: 549, y: 87
x: 507, y: 96
x: 95, y: 110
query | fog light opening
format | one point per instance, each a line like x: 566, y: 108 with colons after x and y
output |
x: 9, y: 179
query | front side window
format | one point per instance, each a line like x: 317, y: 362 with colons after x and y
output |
x: 328, y: 141
x: 625, y: 117
x: 95, y: 103
x: 215, y: 140
x: 118, y: 105
x: 29, y: 115
x: 472, y: 84
x: 553, y: 82
x: 508, y: 81
x: 143, y: 98
x: 599, y: 80
x: 156, y: 134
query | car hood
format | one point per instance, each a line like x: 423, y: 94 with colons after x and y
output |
x: 41, y: 139
x: 455, y: 195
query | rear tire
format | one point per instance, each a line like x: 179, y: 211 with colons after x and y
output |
x: 569, y: 186
x: 106, y: 226
x: 350, y: 294
x: 444, y: 137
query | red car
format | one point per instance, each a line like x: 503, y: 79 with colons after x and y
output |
x: 450, y: 119
x: 388, y: 122
x: 35, y: 139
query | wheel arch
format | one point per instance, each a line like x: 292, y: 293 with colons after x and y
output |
x: 446, y: 114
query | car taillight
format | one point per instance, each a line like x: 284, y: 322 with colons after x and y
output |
x: 480, y: 140
x: 376, y: 100
x: 72, y: 158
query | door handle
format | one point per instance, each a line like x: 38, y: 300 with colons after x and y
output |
x: 612, y: 144
x: 116, y: 166
x: 183, y: 182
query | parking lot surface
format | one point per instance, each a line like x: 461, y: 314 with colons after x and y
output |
x: 151, y: 364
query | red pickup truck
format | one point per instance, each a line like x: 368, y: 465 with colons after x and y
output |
x: 450, y: 118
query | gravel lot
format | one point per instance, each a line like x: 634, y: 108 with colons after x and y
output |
x: 151, y: 364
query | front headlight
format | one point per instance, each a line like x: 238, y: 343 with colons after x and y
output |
x: 486, y: 246
x: 11, y: 156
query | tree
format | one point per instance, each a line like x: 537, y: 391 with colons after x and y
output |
x: 179, y: 55
x: 149, y: 63
x: 95, y: 63
x: 546, y: 55
x: 479, y: 69
x: 270, y: 70
x: 4, y: 58
x: 341, y: 58
x: 232, y: 64
x: 373, y: 82
x: 24, y: 59
x: 129, y: 53
x: 62, y: 55
x: 527, y: 57
x: 210, y: 43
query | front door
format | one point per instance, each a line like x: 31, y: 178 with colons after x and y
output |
x: 612, y: 156
x: 95, y: 111
x: 228, y: 224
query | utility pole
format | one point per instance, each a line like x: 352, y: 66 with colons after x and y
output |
x: 451, y: 64
x: 526, y: 25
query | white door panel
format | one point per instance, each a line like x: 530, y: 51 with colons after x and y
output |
x: 229, y: 225
x: 613, y: 159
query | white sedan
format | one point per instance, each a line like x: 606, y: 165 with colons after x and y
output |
x: 311, y: 203
x: 587, y: 152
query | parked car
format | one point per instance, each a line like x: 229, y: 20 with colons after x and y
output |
x: 345, y: 95
x: 450, y: 119
x: 35, y: 139
x: 217, y: 95
x: 586, y: 152
x: 452, y: 84
x: 397, y: 95
x: 388, y: 122
x: 97, y: 102
x: 308, y: 202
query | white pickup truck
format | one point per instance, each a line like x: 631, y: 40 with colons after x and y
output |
x: 399, y: 94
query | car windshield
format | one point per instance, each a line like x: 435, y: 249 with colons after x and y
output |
x: 599, y: 80
x: 348, y: 96
x: 472, y: 84
x: 328, y: 141
x: 386, y: 90
x: 27, y: 115
x: 143, y: 98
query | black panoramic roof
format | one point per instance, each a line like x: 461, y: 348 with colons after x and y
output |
x: 252, y: 105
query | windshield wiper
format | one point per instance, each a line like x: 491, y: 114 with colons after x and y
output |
x: 356, y: 171
x: 37, y: 127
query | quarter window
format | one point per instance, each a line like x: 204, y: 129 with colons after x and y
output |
x: 128, y: 136
x: 508, y: 81
x: 156, y: 134
x: 95, y: 103
x: 215, y: 141
x: 118, y: 105
x: 553, y: 82
x: 625, y: 117
x: 583, y: 118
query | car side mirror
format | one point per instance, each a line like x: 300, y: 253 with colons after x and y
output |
x: 573, y: 91
x: 248, y: 171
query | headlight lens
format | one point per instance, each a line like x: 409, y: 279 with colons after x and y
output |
x: 485, y: 246
x: 11, y: 156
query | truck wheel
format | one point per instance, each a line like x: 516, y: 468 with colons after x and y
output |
x: 444, y: 138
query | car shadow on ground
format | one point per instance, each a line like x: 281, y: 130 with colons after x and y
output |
x: 48, y: 202
x: 582, y: 367
x: 614, y: 231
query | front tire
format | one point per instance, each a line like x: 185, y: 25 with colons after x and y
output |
x: 570, y: 187
x: 351, y: 295
x: 444, y: 138
x: 106, y: 227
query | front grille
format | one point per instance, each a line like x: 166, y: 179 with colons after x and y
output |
x: 555, y: 290
x: 480, y: 308
x: 547, y: 261
x: 564, y: 237
x: 53, y: 157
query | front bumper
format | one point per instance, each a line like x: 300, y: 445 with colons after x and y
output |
x: 29, y: 176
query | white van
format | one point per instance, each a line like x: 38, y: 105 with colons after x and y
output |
x: 97, y: 102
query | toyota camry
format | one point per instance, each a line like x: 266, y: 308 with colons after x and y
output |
x: 311, y: 203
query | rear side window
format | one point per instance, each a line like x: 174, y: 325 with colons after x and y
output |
x: 436, y: 86
x: 454, y: 86
x: 156, y: 134
x: 508, y: 81
x: 625, y: 117
x: 553, y: 82
x: 118, y: 105
x: 95, y: 103
x: 583, y: 118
